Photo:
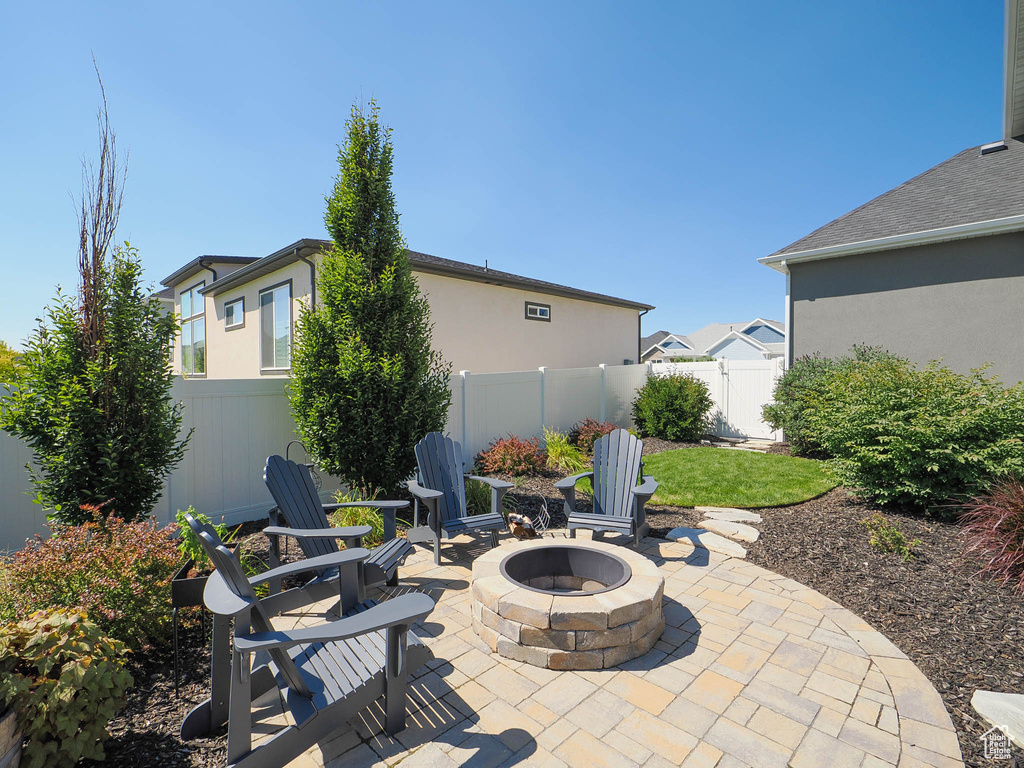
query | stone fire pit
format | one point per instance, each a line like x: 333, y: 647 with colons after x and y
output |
x: 567, y: 603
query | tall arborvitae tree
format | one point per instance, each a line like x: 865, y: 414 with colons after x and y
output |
x: 93, y: 394
x: 366, y: 385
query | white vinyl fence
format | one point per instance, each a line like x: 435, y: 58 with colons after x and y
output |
x: 238, y: 423
x: 740, y: 389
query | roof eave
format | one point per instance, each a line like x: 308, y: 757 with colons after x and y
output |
x: 780, y: 261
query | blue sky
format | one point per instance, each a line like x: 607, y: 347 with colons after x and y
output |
x: 647, y: 150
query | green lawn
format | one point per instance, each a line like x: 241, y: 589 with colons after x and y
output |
x: 717, y: 477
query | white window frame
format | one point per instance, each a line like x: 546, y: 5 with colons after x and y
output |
x: 188, y: 325
x: 240, y: 316
x: 273, y: 305
x: 542, y: 313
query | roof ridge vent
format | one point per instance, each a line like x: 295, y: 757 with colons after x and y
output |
x: 995, y: 146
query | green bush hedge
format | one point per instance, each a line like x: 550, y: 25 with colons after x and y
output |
x: 916, y: 437
x: 673, y: 407
x: 796, y: 389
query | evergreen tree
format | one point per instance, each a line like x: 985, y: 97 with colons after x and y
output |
x: 93, y: 394
x: 366, y: 385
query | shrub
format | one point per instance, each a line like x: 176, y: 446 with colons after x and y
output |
x: 673, y: 407
x: 118, y: 572
x: 65, y: 680
x: 512, y: 456
x: 478, y: 497
x: 98, y: 412
x: 888, y: 537
x: 562, y: 453
x: 804, y: 380
x: 587, y: 432
x: 917, y: 437
x: 993, y: 529
x: 189, y: 544
x: 341, y: 518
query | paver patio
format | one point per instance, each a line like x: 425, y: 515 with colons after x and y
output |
x: 753, y: 670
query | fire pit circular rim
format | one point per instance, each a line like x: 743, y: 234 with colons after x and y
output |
x: 627, y: 570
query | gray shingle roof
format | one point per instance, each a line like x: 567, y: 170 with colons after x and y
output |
x: 649, y: 341
x: 967, y: 188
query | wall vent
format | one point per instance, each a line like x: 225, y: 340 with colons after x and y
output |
x: 995, y: 146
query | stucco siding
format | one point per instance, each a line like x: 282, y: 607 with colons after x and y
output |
x: 960, y: 300
x: 736, y: 349
x: 477, y: 326
x: 482, y: 327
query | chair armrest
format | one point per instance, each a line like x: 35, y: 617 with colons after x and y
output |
x: 375, y: 504
x: 313, y: 564
x: 350, y: 532
x: 570, y: 482
x: 647, y: 489
x: 427, y: 494
x: 501, y: 485
x: 404, y: 610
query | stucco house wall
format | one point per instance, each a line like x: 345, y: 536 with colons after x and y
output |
x: 480, y: 327
x: 961, y: 300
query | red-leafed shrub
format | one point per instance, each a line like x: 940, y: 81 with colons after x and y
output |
x: 587, y: 432
x: 512, y: 456
x: 118, y: 572
x: 993, y: 528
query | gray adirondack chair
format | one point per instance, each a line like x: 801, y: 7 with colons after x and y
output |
x: 441, y: 486
x: 326, y: 673
x: 300, y: 514
x: 618, y: 498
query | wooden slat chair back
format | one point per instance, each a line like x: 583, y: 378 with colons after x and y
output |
x: 441, y: 486
x: 619, y: 494
x: 440, y: 463
x: 617, y: 469
x: 291, y: 483
x: 227, y: 565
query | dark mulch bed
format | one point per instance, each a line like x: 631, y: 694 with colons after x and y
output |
x: 962, y: 631
x: 145, y: 732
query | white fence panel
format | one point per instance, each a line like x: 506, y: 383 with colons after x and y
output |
x: 20, y: 517
x: 740, y: 388
x: 497, y: 404
x: 570, y: 395
x: 620, y: 388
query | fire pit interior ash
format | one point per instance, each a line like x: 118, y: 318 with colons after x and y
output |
x: 570, y: 604
x: 568, y: 570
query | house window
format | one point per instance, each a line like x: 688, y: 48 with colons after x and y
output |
x: 193, y: 332
x: 276, y: 328
x: 234, y: 314
x: 538, y: 312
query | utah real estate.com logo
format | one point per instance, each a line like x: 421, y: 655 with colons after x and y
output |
x: 996, y: 741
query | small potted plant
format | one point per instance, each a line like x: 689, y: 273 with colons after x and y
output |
x: 190, y: 580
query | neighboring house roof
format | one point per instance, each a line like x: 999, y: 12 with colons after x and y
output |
x: 701, y: 341
x: 646, y: 342
x: 203, y: 262
x: 421, y: 262
x: 166, y: 293
x: 741, y: 337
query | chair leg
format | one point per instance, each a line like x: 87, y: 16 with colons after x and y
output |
x: 396, y: 672
x: 393, y: 579
x: 437, y: 551
x: 494, y: 539
x: 239, y: 706
x: 572, y: 533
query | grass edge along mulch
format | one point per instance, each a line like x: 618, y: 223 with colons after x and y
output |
x: 718, y: 477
